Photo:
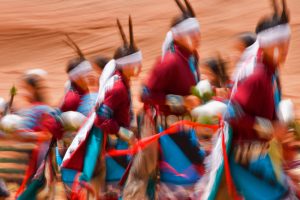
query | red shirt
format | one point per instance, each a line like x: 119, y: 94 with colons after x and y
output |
x: 115, y: 109
x: 72, y: 98
x: 255, y: 96
x: 172, y: 75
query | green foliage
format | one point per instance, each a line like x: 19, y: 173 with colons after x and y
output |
x: 209, y: 120
x: 296, y: 127
x: 195, y: 92
x: 207, y: 96
x: 13, y: 91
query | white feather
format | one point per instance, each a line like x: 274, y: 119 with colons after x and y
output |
x: 203, y: 87
x: 167, y: 43
x: 72, y: 120
x: 286, y: 112
x: 107, y: 72
x: 11, y: 123
x: 106, y: 82
x: 2, y: 105
x: 212, y: 108
x: 209, y: 179
x: 246, y: 64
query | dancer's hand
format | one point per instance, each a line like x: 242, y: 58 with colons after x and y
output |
x: 279, y: 131
x: 91, y: 80
x: 222, y: 93
x: 191, y: 102
x: 126, y: 135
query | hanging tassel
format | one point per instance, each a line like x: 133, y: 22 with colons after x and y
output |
x: 230, y: 185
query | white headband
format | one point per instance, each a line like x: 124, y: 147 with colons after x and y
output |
x: 186, y: 26
x: 38, y: 72
x: 82, y: 69
x: 132, y: 58
x: 275, y: 35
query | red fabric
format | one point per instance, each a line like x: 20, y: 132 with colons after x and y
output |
x: 71, y: 101
x: 256, y: 98
x: 72, y: 98
x: 143, y: 143
x: 118, y: 100
x: 77, y: 189
x: 49, y: 123
x: 77, y: 158
x: 229, y: 181
x: 31, y: 169
x: 172, y: 75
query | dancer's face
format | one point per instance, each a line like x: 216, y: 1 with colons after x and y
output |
x: 191, y: 40
x: 26, y: 91
x: 80, y: 81
x: 283, y: 49
x: 209, y: 75
x: 132, y: 70
x: 239, y: 47
x: 277, y: 53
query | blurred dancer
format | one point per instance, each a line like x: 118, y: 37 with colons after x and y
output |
x: 71, y: 119
x: 78, y: 103
x: 215, y: 71
x: 4, y: 193
x: 76, y: 86
x: 99, y: 63
x: 113, y: 116
x: 179, y: 63
x: 244, y: 40
x: 39, y: 173
x: 168, y: 90
x: 248, y: 46
x: 256, y: 172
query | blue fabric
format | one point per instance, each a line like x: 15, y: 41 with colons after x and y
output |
x: 172, y: 47
x: 58, y: 157
x: 93, y: 150
x: 181, y: 164
x: 32, y: 189
x: 262, y: 167
x: 194, y: 141
x: 230, y: 112
x: 105, y: 111
x: 193, y: 68
x: 234, y: 110
x: 145, y: 91
x: 131, y: 113
x: 67, y: 175
x: 191, y: 61
x: 258, y: 181
x: 88, y: 102
x: 151, y: 187
x: 33, y: 115
x: 114, y: 171
x: 277, y: 93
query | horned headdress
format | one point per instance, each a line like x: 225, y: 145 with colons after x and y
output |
x: 182, y: 24
x: 275, y: 29
x: 128, y: 53
x: 83, y: 66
